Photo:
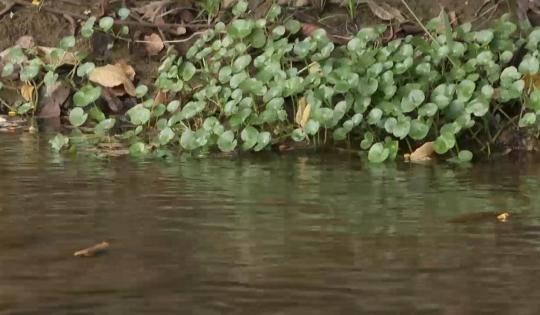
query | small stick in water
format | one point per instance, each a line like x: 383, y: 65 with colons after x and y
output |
x: 92, y: 251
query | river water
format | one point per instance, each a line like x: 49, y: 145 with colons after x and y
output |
x: 281, y: 234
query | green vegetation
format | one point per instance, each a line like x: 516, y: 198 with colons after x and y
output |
x: 254, y: 83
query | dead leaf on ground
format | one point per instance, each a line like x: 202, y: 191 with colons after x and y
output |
x: 128, y: 70
x: 92, y: 251
x: 180, y: 30
x: 303, y: 112
x: 27, y: 92
x: 26, y: 42
x: 154, y: 44
x: 67, y: 59
x: 385, y: 11
x: 227, y: 3
x: 52, y: 99
x: 152, y: 10
x: 112, y: 76
x: 294, y: 3
x: 423, y: 153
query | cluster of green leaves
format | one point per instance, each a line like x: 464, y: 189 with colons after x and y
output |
x: 47, y: 70
x: 239, y: 83
x: 242, y: 86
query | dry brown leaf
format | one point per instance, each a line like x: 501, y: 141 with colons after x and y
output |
x: 385, y: 12
x: 152, y: 10
x: 227, y: 3
x: 154, y: 44
x: 92, y: 251
x: 68, y: 58
x: 503, y: 217
x: 26, y: 42
x: 27, y: 92
x: 160, y: 98
x: 180, y: 30
x: 303, y: 112
x: 532, y: 80
x: 112, y: 76
x: 294, y: 3
x: 128, y: 70
x: 423, y: 153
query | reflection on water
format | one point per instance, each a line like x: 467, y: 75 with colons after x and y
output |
x: 274, y: 235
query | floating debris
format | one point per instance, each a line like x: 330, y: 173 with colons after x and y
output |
x: 477, y: 217
x: 92, y: 251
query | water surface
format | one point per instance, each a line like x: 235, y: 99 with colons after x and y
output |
x: 284, y: 234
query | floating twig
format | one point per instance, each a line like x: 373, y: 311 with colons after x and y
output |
x: 92, y: 251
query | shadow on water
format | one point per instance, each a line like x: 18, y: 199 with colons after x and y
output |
x: 280, y: 235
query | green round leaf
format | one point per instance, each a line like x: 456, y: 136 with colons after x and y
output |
x: 249, y: 137
x: 67, y: 42
x: 414, y: 99
x: 240, y: 28
x: 106, y: 23
x: 123, y: 13
x: 374, y: 116
x: 465, y: 156
x: 77, y: 117
x: 141, y: 91
x: 419, y: 130
x: 139, y: 115
x: 165, y: 136
x: 529, y: 119
x: 58, y: 142
x: 226, y: 141
x: 312, y: 127
x: 188, y: 71
x: 378, y: 153
x: 263, y: 140
x: 138, y: 149
x: 241, y: 63
x: 86, y: 95
x: 85, y: 69
x: 298, y: 135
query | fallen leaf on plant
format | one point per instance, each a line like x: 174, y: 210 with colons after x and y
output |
x: 385, y: 12
x: 423, y: 153
x: 112, y: 76
x: 154, y: 44
x: 303, y: 112
x: 160, y: 98
x: 67, y: 59
x: 27, y: 92
x: 92, y: 251
x: 532, y: 80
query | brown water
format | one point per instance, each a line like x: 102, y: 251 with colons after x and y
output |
x: 277, y: 235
